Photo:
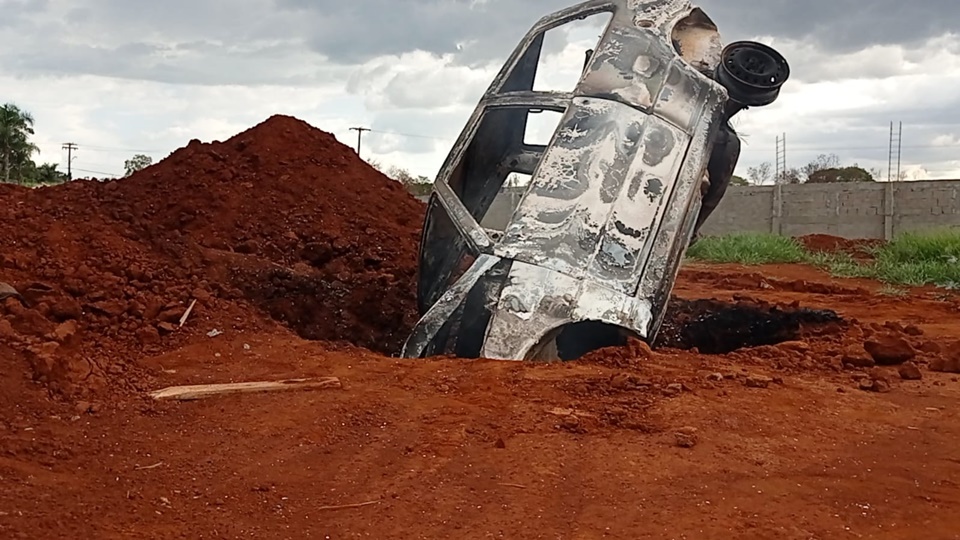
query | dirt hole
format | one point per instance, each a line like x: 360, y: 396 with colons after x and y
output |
x: 715, y: 327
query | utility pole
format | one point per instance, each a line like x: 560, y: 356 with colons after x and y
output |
x: 359, y: 131
x: 69, y: 147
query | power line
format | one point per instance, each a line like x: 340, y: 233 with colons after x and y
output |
x: 414, y: 136
x: 97, y: 172
x: 110, y: 149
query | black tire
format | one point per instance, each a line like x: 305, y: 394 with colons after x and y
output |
x: 752, y: 73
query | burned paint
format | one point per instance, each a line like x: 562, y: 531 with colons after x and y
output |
x: 654, y: 189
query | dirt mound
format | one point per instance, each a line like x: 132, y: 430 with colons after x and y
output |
x: 281, y: 216
x: 824, y: 243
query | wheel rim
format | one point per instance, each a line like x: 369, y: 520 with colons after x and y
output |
x: 756, y: 66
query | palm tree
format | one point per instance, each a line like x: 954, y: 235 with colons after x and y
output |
x: 48, y: 174
x: 16, y: 127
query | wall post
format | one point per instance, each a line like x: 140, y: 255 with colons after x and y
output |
x: 776, y: 220
x: 888, y: 204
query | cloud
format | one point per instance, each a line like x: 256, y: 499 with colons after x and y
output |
x: 113, y: 75
x: 839, y: 26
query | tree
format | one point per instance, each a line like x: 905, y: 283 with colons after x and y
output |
x: 841, y: 174
x: 137, y: 163
x: 760, y: 174
x: 788, y: 177
x: 739, y: 181
x: 16, y: 150
x: 822, y: 163
x: 416, y: 185
x: 48, y: 174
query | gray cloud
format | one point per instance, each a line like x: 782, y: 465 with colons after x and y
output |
x: 253, y: 37
x: 358, y: 30
x: 839, y: 26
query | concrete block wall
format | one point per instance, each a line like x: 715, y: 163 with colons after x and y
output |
x: 864, y: 210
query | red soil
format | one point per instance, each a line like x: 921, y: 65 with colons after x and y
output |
x: 834, y: 244
x: 281, y: 217
x: 827, y: 435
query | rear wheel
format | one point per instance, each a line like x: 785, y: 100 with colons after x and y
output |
x: 752, y: 73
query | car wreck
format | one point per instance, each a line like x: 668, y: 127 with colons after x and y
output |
x: 642, y: 154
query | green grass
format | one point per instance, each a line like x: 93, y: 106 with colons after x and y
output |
x: 912, y: 259
x: 748, y: 249
x: 920, y: 259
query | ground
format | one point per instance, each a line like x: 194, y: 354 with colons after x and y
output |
x: 770, y: 442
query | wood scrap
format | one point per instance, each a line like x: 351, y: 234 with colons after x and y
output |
x: 348, y: 506
x: 203, y: 391
x: 186, y: 314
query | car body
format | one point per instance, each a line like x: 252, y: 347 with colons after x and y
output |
x: 591, y: 252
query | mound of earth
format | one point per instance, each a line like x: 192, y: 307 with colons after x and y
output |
x: 824, y: 243
x: 281, y: 219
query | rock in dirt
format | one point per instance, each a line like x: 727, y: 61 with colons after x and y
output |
x: 66, y: 309
x: 869, y: 385
x: 910, y: 372
x: 913, y: 330
x: 148, y: 336
x: 166, y: 328
x: 571, y: 423
x: 758, y: 381
x: 686, y: 437
x: 945, y: 365
x: 857, y: 357
x: 889, y: 350
x: 796, y: 346
x: 6, y: 330
x: 876, y: 381
x: 66, y: 333
x: 950, y: 361
x: 674, y: 389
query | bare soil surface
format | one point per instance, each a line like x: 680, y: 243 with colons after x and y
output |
x: 776, y: 441
x: 780, y: 402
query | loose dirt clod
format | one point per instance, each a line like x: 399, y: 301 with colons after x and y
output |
x: 889, y: 350
x: 856, y: 356
x: 758, y: 381
x: 686, y: 437
x: 910, y: 372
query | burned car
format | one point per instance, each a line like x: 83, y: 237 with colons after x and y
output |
x: 642, y: 153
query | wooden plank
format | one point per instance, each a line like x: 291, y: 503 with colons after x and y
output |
x: 203, y: 391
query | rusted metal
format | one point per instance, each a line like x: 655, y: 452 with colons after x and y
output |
x: 592, y: 250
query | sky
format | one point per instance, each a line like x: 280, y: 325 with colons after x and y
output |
x: 121, y: 77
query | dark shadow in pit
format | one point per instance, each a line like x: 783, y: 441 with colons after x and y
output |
x: 715, y: 327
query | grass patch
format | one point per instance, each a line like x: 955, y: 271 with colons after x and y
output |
x: 920, y: 259
x: 748, y: 249
x: 911, y: 259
